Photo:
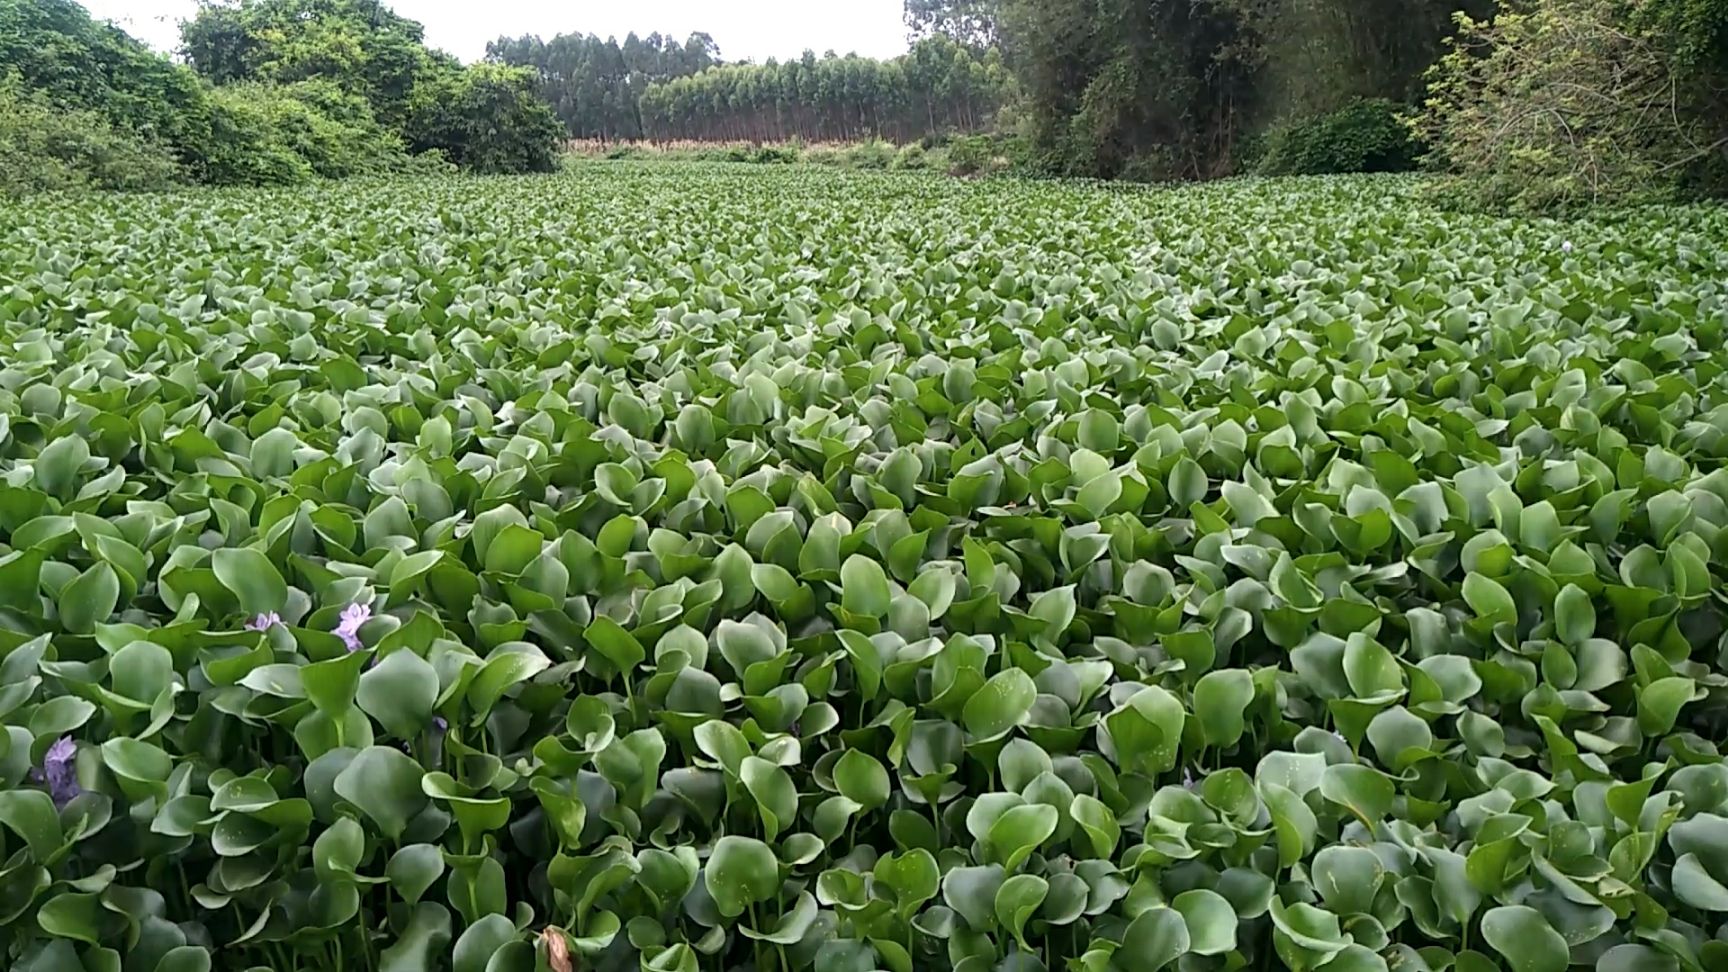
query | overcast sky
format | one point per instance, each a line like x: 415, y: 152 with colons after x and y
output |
x: 744, y: 29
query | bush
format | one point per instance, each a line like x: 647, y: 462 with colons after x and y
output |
x: 280, y: 135
x: 822, y: 155
x: 45, y: 147
x: 1568, y: 104
x: 77, y: 63
x: 486, y: 118
x: 247, y: 148
x: 775, y: 154
x: 1363, y: 136
x: 874, y: 154
x: 911, y: 158
x: 980, y: 155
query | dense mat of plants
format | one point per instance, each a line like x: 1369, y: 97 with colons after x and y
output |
x: 688, y: 568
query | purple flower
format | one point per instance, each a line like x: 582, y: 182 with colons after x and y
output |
x: 264, y: 622
x: 61, y: 775
x: 440, y: 724
x: 348, y: 629
x: 1566, y: 247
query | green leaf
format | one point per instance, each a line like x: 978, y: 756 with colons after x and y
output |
x: 619, y: 646
x: 1220, y: 700
x: 971, y: 893
x: 913, y: 877
x: 251, y: 578
x: 740, y: 872
x: 1098, y: 822
x: 400, y: 692
x: 427, y: 935
x: 1016, y: 900
x: 1153, y: 940
x: 1489, y: 600
x: 1574, y: 615
x: 481, y: 941
x: 31, y: 815
x: 72, y: 915
x: 1525, y: 939
x: 864, y: 587
x: 1659, y: 704
x: 1000, y: 704
x: 860, y: 778
x: 1211, y: 921
x: 385, y: 785
x: 1363, y: 790
x: 89, y: 598
x: 413, y: 869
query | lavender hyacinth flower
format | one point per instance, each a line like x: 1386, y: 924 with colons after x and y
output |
x: 348, y: 629
x: 264, y: 622
x: 58, y: 771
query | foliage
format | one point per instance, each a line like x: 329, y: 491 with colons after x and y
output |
x: 1314, y: 57
x: 1562, y: 105
x: 1364, y: 136
x: 912, y: 158
x: 59, y: 53
x: 702, y: 568
x: 283, y: 134
x: 1107, y: 81
x: 1694, y: 31
x: 46, y: 147
x: 358, y: 45
x: 977, y: 155
x: 486, y: 118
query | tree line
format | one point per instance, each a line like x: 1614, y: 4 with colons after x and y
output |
x: 596, y: 84
x: 660, y: 90
x: 939, y: 86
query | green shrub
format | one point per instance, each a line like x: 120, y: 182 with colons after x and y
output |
x: 874, y: 154
x: 822, y: 155
x: 969, y: 154
x: 486, y: 118
x: 984, y: 154
x: 775, y: 154
x: 280, y: 135
x: 1363, y: 136
x: 912, y: 158
x: 247, y: 146
x: 46, y: 147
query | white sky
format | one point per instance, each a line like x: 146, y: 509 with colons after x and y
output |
x: 744, y: 29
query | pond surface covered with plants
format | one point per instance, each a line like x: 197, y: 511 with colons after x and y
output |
x: 702, y: 569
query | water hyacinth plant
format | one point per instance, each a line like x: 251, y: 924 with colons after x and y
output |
x: 681, y: 569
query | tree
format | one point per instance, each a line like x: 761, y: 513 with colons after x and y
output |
x: 970, y: 22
